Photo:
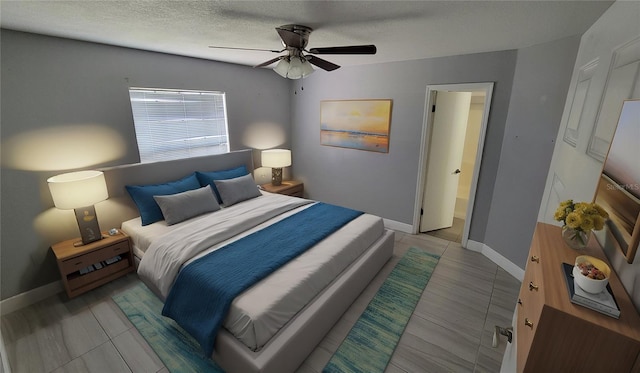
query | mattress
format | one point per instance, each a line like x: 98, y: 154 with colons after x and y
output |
x: 258, y: 313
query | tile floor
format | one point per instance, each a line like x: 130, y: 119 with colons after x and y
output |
x: 453, y: 233
x: 450, y: 330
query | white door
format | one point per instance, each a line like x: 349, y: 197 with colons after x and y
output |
x: 444, y: 159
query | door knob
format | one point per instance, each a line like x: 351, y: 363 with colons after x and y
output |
x: 507, y: 332
x: 457, y: 171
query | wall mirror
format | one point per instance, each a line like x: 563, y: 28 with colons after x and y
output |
x: 618, y: 189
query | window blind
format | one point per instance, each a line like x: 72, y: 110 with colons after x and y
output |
x: 173, y: 124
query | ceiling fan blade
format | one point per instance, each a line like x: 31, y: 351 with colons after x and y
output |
x: 353, y: 49
x: 290, y: 38
x: 323, y: 64
x: 249, y: 49
x: 267, y: 63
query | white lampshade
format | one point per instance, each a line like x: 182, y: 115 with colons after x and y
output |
x: 77, y: 189
x: 276, y: 158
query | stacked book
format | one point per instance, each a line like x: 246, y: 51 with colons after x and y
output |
x: 603, y: 302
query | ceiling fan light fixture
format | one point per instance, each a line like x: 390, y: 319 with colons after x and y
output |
x: 282, y: 67
x: 307, y: 69
x: 293, y: 67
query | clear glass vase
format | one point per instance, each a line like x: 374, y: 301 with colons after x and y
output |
x: 575, y: 238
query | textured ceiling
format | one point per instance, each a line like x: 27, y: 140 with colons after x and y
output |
x: 402, y: 30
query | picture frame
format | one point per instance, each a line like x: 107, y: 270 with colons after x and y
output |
x: 618, y: 190
x: 356, y: 124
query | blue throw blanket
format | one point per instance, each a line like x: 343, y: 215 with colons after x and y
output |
x: 203, y: 292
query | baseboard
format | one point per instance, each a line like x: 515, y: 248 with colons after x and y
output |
x: 497, y: 258
x: 485, y: 250
x: 29, y: 297
x: 397, y: 226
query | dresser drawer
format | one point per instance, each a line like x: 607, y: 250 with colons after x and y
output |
x: 530, y: 303
x: 532, y: 289
x: 74, y: 264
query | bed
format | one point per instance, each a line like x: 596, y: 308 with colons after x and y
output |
x: 273, y: 325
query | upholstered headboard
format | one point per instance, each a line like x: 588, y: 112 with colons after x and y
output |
x: 120, y: 207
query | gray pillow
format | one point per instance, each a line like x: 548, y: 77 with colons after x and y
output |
x: 186, y: 205
x: 237, y: 190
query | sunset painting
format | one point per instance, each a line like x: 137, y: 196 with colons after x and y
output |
x: 357, y: 124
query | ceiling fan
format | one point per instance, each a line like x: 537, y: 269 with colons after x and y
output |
x: 296, y: 64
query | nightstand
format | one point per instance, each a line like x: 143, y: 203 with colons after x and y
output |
x: 289, y: 187
x: 86, y: 267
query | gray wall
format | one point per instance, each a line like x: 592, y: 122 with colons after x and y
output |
x: 540, y: 85
x: 526, y: 110
x: 51, y: 82
x: 57, y: 88
x: 385, y: 184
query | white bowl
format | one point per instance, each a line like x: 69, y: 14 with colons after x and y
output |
x: 587, y: 284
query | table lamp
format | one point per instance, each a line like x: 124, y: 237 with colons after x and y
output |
x: 276, y: 159
x: 80, y: 191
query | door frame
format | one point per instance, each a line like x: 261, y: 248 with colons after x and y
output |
x: 487, y: 88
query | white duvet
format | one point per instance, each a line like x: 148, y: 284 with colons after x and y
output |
x: 168, y: 253
x: 257, y: 314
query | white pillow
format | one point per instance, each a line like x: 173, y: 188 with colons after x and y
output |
x: 186, y: 205
x: 237, y: 190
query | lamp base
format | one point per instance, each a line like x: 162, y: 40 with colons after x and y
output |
x: 276, y: 176
x: 88, y: 224
x: 80, y: 243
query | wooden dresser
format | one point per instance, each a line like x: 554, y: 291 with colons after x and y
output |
x: 555, y: 335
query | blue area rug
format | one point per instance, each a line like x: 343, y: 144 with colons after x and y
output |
x: 176, y: 348
x: 370, y: 343
x: 367, y: 348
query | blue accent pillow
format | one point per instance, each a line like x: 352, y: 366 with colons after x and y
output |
x: 208, y: 178
x: 142, y: 195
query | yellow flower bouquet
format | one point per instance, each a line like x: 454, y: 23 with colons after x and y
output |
x: 579, y: 219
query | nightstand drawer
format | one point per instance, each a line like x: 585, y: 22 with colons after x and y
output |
x: 78, y: 281
x: 295, y: 191
x: 77, y: 263
x: 292, y: 188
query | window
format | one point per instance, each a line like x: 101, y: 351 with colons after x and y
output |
x: 173, y: 124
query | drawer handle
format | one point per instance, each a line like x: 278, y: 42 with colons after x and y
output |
x: 77, y: 264
x: 528, y: 322
x: 520, y: 301
x: 535, y: 258
x: 532, y: 286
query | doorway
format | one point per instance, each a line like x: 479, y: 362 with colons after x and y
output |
x: 448, y: 174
